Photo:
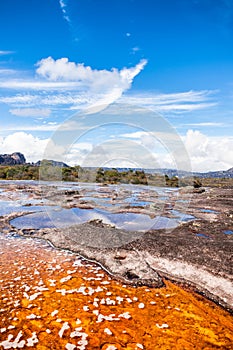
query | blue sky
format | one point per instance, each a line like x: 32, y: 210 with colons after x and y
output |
x: 61, y: 60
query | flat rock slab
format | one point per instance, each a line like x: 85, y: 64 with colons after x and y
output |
x: 197, y: 252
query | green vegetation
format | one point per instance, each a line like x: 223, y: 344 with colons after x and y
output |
x: 48, y: 172
x: 19, y: 172
x: 115, y: 176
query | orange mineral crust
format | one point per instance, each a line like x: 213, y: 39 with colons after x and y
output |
x: 53, y: 299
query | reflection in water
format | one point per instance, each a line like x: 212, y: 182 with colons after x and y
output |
x: 127, y: 196
x: 127, y: 221
x: 54, y: 300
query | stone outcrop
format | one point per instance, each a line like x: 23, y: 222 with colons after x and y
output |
x: 49, y: 163
x: 12, y: 159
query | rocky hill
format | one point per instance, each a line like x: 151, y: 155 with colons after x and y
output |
x: 12, y: 159
x: 46, y: 162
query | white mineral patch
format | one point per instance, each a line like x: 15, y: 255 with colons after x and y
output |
x: 119, y: 299
x: 90, y: 291
x: 164, y: 325
x: 140, y: 346
x: 33, y: 340
x: 34, y: 296
x: 111, y: 347
x: 17, y: 278
x: 70, y: 346
x: 107, y: 331
x: 78, y: 263
x: 52, y: 283
x: 41, y: 289
x: 76, y: 332
x: 107, y: 318
x: 65, y: 279
x: 15, y: 344
x: 55, y: 312
x: 82, y: 290
x: 110, y: 301
x: 141, y: 306
x: 125, y: 315
x: 65, y: 326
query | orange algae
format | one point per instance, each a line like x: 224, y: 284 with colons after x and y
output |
x: 53, y: 299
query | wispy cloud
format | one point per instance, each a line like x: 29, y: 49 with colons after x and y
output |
x: 5, y: 52
x: 74, y: 86
x: 135, y: 49
x: 7, y: 71
x: 36, y: 85
x: 207, y: 124
x: 31, y: 112
x: 174, y: 102
x: 63, y: 6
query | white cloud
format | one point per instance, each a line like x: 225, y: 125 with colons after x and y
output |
x: 31, y: 112
x: 77, y: 153
x: 61, y: 70
x: 81, y: 85
x: 32, y: 147
x: 206, y: 153
x: 209, y: 153
x: 176, y: 102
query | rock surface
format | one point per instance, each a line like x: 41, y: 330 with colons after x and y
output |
x: 12, y: 159
x: 198, y: 252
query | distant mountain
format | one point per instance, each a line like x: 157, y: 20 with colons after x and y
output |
x: 181, y: 173
x: 12, y: 159
x: 50, y: 162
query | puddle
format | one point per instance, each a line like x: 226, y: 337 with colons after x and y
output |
x: 202, y: 235
x: 8, y: 207
x: 209, y: 211
x: 55, y: 216
x: 182, y: 217
x: 228, y: 232
x: 68, y: 217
